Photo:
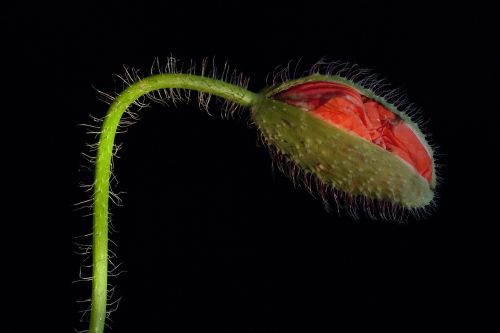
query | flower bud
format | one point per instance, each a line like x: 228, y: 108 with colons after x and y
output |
x: 349, y: 138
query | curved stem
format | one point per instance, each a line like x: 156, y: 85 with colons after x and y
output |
x: 228, y: 91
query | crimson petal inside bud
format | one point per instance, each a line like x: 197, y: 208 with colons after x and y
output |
x: 345, y: 107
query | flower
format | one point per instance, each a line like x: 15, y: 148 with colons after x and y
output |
x: 349, y: 139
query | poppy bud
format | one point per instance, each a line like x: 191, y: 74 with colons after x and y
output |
x: 350, y: 139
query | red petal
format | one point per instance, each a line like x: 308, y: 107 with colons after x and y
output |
x: 346, y: 108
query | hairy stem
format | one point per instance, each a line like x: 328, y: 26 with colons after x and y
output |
x: 219, y: 88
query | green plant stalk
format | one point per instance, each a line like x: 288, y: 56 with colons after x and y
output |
x: 216, y: 87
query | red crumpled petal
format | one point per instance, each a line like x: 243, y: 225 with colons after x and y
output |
x: 346, y: 108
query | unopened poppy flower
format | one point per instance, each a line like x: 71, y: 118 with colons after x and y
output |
x: 343, y: 138
x: 349, y: 139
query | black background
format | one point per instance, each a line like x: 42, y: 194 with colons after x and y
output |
x: 212, y: 239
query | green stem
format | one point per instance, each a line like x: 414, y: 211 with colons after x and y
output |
x: 222, y: 89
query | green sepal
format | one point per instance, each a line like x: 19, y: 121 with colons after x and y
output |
x: 338, y: 158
